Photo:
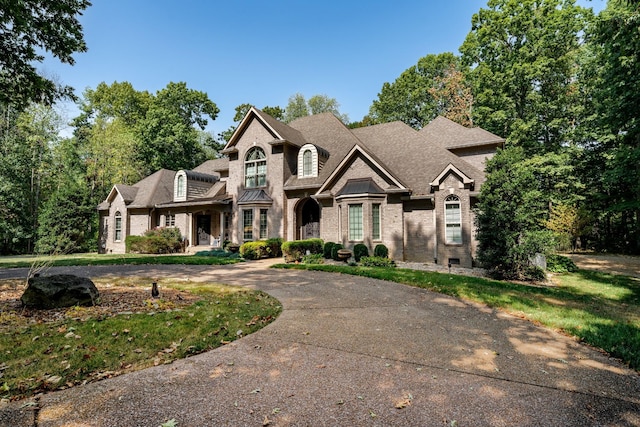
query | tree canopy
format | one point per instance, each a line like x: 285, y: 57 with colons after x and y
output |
x: 28, y: 27
x: 434, y: 86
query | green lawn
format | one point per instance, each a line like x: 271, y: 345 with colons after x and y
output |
x: 110, y: 259
x: 88, y: 345
x: 600, y: 309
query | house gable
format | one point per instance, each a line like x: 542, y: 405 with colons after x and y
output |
x: 358, y: 163
x: 436, y: 184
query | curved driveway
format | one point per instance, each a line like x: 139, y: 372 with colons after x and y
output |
x: 352, y: 351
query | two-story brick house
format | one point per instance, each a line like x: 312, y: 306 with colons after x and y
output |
x: 410, y: 190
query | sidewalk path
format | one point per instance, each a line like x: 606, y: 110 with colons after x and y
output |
x: 352, y: 351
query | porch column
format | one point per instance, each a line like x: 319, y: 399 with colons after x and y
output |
x: 222, y: 214
x: 190, y: 228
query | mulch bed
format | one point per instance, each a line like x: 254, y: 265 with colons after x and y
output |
x: 114, y: 299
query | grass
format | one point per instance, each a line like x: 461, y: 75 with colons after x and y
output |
x: 77, y: 349
x: 110, y: 259
x: 602, y: 310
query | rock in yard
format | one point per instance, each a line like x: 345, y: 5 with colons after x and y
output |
x: 60, y: 290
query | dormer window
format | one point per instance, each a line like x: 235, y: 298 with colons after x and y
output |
x: 308, y: 161
x: 255, y: 168
x: 181, y: 186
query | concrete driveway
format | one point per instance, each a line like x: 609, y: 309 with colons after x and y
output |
x: 355, y: 351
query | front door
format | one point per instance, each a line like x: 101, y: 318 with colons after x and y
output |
x: 204, y: 229
x: 310, y: 220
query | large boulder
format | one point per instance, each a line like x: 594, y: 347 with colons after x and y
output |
x: 60, y: 290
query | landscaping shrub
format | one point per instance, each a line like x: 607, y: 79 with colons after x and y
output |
x: 294, y: 250
x: 360, y: 250
x: 326, y: 250
x: 254, y: 250
x: 161, y: 240
x: 334, y: 251
x: 381, y: 251
x: 535, y: 273
x: 274, y: 247
x: 313, y: 259
x: 560, y: 264
x: 376, y: 261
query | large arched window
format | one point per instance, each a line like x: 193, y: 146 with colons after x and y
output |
x: 255, y: 168
x: 452, y: 220
x: 117, y: 234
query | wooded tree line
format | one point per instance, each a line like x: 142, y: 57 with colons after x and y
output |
x: 560, y: 84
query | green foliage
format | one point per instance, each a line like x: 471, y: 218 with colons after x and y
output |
x: 377, y: 261
x: 334, y: 251
x: 420, y: 94
x: 274, y: 247
x: 162, y: 240
x: 326, y: 250
x: 299, y: 107
x: 270, y: 248
x: 360, y: 250
x: 560, y: 264
x: 30, y: 28
x: 313, y: 259
x: 218, y: 253
x: 381, y: 251
x: 254, y: 250
x: 524, y: 77
x: 512, y: 207
x: 294, y: 250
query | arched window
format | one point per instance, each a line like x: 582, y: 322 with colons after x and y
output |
x: 117, y: 235
x: 181, y: 187
x: 307, y: 163
x: 452, y: 220
x: 255, y: 168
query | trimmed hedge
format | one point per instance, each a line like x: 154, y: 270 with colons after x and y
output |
x: 294, y: 250
x: 334, y: 251
x: 163, y: 240
x: 269, y: 248
x: 326, y: 250
x: 360, y: 250
x: 381, y: 251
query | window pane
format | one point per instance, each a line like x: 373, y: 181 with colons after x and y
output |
x: 263, y: 223
x: 355, y: 222
x: 452, y: 220
x: 118, y: 227
x: 375, y: 213
x: 307, y: 163
x: 454, y: 233
x: 247, y: 216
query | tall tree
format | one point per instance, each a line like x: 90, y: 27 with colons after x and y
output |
x: 167, y: 134
x: 524, y: 56
x: 422, y: 92
x: 27, y: 28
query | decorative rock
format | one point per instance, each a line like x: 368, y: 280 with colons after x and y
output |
x: 60, y: 290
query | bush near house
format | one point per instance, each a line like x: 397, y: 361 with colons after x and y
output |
x: 326, y: 250
x: 334, y: 251
x: 560, y: 264
x: 294, y: 250
x: 270, y: 248
x: 162, y: 240
x: 381, y: 251
x: 360, y: 250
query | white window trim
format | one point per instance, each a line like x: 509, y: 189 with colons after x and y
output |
x: 353, y: 238
x: 314, y: 161
x: 452, y: 199
x: 373, y: 224
x: 117, y: 219
x: 255, y: 163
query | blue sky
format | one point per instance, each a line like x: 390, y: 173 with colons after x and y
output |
x: 262, y: 52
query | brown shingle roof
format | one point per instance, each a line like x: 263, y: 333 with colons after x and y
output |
x: 452, y: 135
x: 410, y: 156
x: 213, y: 167
x: 155, y: 189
